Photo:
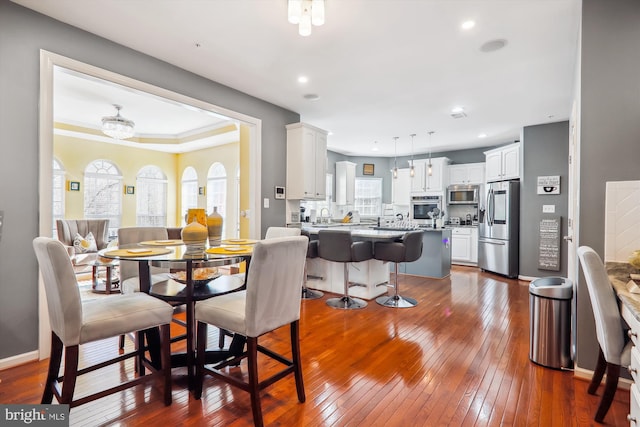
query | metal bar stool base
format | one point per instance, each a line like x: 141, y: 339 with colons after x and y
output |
x: 311, y: 294
x: 396, y: 301
x: 346, y: 303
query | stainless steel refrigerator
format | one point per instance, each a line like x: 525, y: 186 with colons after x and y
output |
x: 498, y: 228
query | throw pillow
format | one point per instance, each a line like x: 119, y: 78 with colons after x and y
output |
x: 84, y: 245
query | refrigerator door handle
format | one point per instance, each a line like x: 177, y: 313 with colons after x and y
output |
x: 490, y: 207
x: 491, y: 242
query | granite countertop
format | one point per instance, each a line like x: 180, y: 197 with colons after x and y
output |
x: 618, y: 273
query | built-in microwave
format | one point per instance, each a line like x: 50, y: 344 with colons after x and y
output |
x: 463, y: 194
x: 421, y: 206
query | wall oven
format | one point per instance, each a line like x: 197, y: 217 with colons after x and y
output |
x: 422, y: 206
x: 463, y: 194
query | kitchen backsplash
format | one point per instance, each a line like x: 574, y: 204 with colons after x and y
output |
x: 622, y: 220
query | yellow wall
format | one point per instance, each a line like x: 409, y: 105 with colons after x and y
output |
x: 75, y: 154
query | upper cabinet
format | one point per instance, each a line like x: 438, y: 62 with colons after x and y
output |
x: 503, y: 163
x: 400, y: 188
x: 306, y: 162
x: 423, y: 182
x: 469, y: 173
x: 345, y: 183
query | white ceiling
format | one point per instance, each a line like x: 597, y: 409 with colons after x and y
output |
x: 382, y: 68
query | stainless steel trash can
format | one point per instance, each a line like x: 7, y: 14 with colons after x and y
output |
x: 550, y: 322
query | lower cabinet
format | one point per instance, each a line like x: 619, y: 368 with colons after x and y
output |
x: 464, y: 245
x: 634, y: 368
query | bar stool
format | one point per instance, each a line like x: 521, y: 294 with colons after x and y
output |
x: 312, y: 252
x: 407, y: 249
x: 337, y: 246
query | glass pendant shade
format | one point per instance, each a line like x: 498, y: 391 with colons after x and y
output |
x: 412, y: 171
x: 117, y: 127
x: 294, y: 11
x: 317, y: 12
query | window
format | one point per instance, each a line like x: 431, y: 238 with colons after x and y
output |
x: 151, y: 200
x: 368, y: 196
x: 217, y: 192
x: 189, y: 190
x: 58, y: 194
x: 103, y: 193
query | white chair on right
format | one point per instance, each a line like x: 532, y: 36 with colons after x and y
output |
x: 273, y: 232
x: 610, y: 331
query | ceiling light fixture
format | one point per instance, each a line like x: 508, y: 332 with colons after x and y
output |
x: 117, y: 127
x: 395, y: 159
x: 412, y: 171
x: 467, y: 25
x: 306, y: 13
x: 430, y: 167
x: 482, y: 135
x: 375, y: 146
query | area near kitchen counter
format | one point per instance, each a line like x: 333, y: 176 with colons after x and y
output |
x: 328, y: 276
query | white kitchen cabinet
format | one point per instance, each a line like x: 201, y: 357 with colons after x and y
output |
x: 503, y: 163
x: 345, y: 183
x: 401, y: 187
x: 464, y: 245
x: 437, y: 181
x: 466, y: 174
x: 306, y: 162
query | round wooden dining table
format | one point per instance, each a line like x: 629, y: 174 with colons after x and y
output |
x: 180, y: 257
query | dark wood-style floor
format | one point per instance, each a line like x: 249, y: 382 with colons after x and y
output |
x: 459, y: 358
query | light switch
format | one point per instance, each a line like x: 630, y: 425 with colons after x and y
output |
x: 548, y: 208
x: 266, y: 203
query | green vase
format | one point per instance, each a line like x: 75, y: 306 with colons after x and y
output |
x: 214, y: 227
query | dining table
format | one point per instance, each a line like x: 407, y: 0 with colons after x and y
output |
x: 184, y: 287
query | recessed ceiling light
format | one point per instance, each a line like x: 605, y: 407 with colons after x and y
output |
x: 482, y: 135
x: 303, y: 79
x: 493, y: 45
x: 311, y: 97
x: 467, y: 25
x: 456, y: 110
x: 375, y: 146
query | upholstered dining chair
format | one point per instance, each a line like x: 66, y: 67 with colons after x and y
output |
x: 614, y: 351
x: 273, y: 232
x: 129, y: 270
x: 270, y: 301
x: 75, y: 322
x: 406, y: 249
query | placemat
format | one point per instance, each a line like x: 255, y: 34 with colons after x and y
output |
x: 239, y: 242
x: 137, y: 252
x: 231, y: 250
x: 162, y: 242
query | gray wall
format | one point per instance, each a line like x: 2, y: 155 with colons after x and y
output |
x: 609, y: 129
x: 545, y: 151
x: 22, y: 34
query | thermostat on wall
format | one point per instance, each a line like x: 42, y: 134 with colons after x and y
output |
x: 279, y: 192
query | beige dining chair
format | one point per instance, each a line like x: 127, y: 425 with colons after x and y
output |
x: 610, y: 331
x: 273, y: 232
x: 75, y: 322
x: 129, y: 270
x: 270, y: 301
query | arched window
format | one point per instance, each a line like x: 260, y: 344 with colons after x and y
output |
x: 151, y: 197
x: 189, y: 190
x: 217, y: 192
x: 103, y: 193
x: 58, y: 194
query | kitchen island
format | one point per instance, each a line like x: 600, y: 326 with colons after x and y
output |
x: 370, y: 277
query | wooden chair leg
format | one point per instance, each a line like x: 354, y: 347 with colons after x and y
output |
x: 611, y: 385
x: 598, y: 373
x: 121, y: 342
x: 297, y: 366
x: 54, y: 368
x: 201, y: 342
x: 254, y: 387
x: 71, y: 358
x: 165, y: 336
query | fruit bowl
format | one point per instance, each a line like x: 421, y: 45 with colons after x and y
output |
x: 200, y: 277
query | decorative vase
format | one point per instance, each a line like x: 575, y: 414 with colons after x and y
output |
x: 197, y: 214
x: 194, y: 235
x: 214, y: 226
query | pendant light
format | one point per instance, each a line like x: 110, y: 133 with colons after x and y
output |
x: 412, y: 171
x: 395, y: 159
x: 430, y: 167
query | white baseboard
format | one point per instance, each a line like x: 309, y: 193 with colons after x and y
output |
x: 18, y: 359
x: 585, y: 374
x: 526, y: 278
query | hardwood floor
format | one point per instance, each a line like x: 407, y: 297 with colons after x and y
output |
x: 459, y: 358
